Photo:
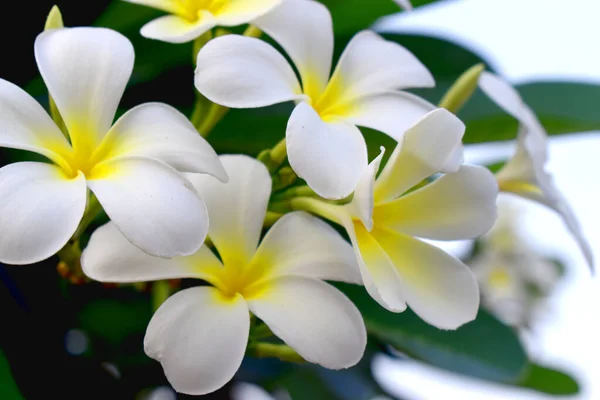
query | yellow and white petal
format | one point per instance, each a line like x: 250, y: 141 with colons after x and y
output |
x: 305, y: 31
x: 110, y: 257
x: 170, y: 6
x: 377, y: 270
x: 460, y: 205
x: 314, y: 318
x: 238, y: 12
x: 363, y: 201
x: 85, y: 70
x: 302, y: 245
x: 40, y: 209
x: 329, y: 156
x: 391, y: 113
x: 372, y: 65
x: 438, y: 287
x: 159, y: 131
x: 176, y: 29
x: 425, y: 151
x: 199, y: 336
x: 152, y: 205
x: 25, y: 125
x: 237, y: 208
x: 242, y: 72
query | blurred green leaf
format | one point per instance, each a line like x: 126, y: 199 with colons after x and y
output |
x: 551, y: 381
x: 8, y: 387
x: 484, y: 348
x: 305, y: 384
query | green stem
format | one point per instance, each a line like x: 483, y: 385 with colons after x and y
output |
x: 462, y: 90
x: 161, y: 290
x: 271, y: 218
x: 280, y: 351
x: 318, y: 207
x: 253, y: 31
x: 297, y: 191
x: 93, y: 209
x: 279, y: 152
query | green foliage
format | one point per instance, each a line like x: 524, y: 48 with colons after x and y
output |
x: 484, y: 348
x: 551, y: 381
x: 8, y: 387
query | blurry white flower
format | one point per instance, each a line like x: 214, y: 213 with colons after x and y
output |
x: 525, y: 173
x: 200, y: 334
x: 405, y: 4
x: 324, y: 144
x: 131, y: 167
x: 191, y: 18
x: 386, y: 216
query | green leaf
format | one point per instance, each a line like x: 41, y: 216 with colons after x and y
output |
x: 305, y: 384
x: 551, y: 381
x: 484, y: 348
x: 8, y: 388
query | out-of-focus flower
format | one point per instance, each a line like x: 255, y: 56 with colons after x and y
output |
x: 132, y: 168
x: 525, y: 173
x: 404, y: 4
x: 324, y: 145
x: 191, y: 18
x: 386, y: 215
x: 200, y: 334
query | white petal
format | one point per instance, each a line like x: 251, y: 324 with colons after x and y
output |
x: 159, y: 131
x: 460, y: 205
x: 40, y: 209
x: 152, y: 205
x: 241, y: 72
x: 199, y: 336
x: 315, y: 319
x: 85, y: 70
x: 304, y: 29
x: 25, y: 125
x: 438, y: 287
x: 363, y: 201
x: 390, y: 113
x: 237, y: 208
x: 237, y: 12
x: 372, y: 65
x: 302, y: 245
x: 377, y: 270
x: 329, y: 156
x: 425, y: 151
x: 110, y: 257
x: 170, y: 6
x: 175, y: 29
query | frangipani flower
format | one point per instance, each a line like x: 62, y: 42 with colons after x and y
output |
x: 192, y: 18
x: 200, y: 334
x: 525, y: 173
x: 129, y: 167
x: 323, y: 143
x: 385, y: 216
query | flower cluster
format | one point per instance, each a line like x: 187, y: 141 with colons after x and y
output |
x: 178, y: 210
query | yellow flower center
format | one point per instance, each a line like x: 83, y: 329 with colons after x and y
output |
x: 499, y: 278
x: 238, y: 278
x: 332, y: 103
x: 192, y: 9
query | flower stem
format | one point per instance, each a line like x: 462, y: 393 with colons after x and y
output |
x: 253, y: 31
x: 93, y: 209
x: 161, y: 290
x: 280, y: 351
x: 462, y: 90
x: 318, y: 207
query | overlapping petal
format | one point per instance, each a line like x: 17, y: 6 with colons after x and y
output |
x: 241, y: 72
x: 302, y: 245
x: 85, y: 70
x: 329, y: 156
x: 237, y: 208
x: 460, y: 205
x: 110, y: 257
x: 237, y: 12
x: 40, y: 209
x: 199, y: 336
x: 314, y: 318
x: 151, y: 204
x: 425, y: 151
x: 159, y: 131
x: 176, y: 29
x: 305, y: 31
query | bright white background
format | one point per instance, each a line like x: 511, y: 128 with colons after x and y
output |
x: 529, y: 40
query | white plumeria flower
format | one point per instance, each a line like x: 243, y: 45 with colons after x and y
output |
x: 129, y: 167
x: 385, y: 216
x: 191, y: 18
x: 200, y: 334
x: 525, y: 173
x: 323, y: 143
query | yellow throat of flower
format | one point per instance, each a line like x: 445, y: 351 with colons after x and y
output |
x: 192, y: 10
x: 238, y: 278
x: 331, y: 103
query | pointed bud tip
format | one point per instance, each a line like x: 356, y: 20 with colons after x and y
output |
x: 54, y: 20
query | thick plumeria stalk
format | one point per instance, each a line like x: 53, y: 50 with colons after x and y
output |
x: 190, y: 19
x: 525, y: 173
x: 385, y: 216
x: 323, y: 142
x: 200, y: 334
x: 131, y: 167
